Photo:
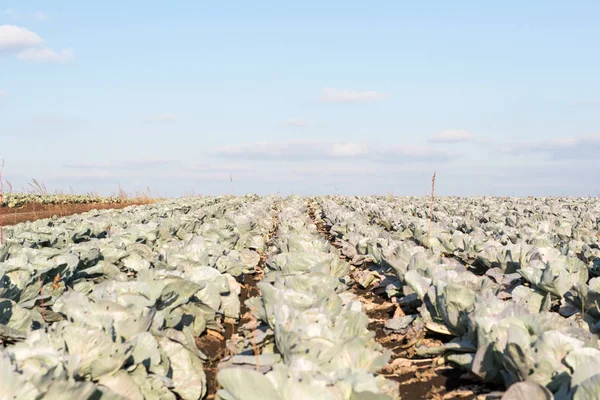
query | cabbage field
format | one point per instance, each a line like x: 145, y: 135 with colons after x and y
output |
x: 334, y: 297
x: 14, y: 200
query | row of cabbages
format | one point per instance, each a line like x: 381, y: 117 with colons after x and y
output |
x: 548, y: 269
x: 109, y: 304
x: 12, y: 200
x: 311, y: 332
x: 501, y: 318
x: 481, y: 230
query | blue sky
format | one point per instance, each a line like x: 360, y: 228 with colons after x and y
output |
x: 306, y: 97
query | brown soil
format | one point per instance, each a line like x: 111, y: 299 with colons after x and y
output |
x: 442, y: 383
x: 34, y: 211
x: 214, y: 344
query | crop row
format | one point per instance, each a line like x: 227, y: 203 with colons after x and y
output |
x: 13, y: 200
x: 310, y: 336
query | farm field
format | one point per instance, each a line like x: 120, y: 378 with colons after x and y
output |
x: 330, y: 297
x: 17, y: 208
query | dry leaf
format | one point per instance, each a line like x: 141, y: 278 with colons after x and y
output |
x: 216, y: 334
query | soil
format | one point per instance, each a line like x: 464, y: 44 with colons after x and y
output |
x: 439, y: 384
x: 34, y: 211
x: 214, y: 344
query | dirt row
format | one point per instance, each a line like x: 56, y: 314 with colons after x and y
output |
x: 34, y: 211
x: 214, y: 344
x: 418, y: 378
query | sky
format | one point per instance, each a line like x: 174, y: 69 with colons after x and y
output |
x: 311, y: 97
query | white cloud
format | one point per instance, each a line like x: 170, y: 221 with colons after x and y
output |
x: 589, y: 102
x: 40, y: 16
x: 315, y: 150
x: 46, y: 55
x: 451, y: 136
x: 55, y: 120
x: 28, y: 46
x: 568, y: 148
x: 219, y: 168
x: 123, y: 165
x: 504, y: 148
x: 298, y: 123
x: 15, y: 15
x: 16, y: 38
x: 348, y: 149
x: 162, y: 118
x: 2, y: 93
x: 338, y: 95
x: 12, y: 13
